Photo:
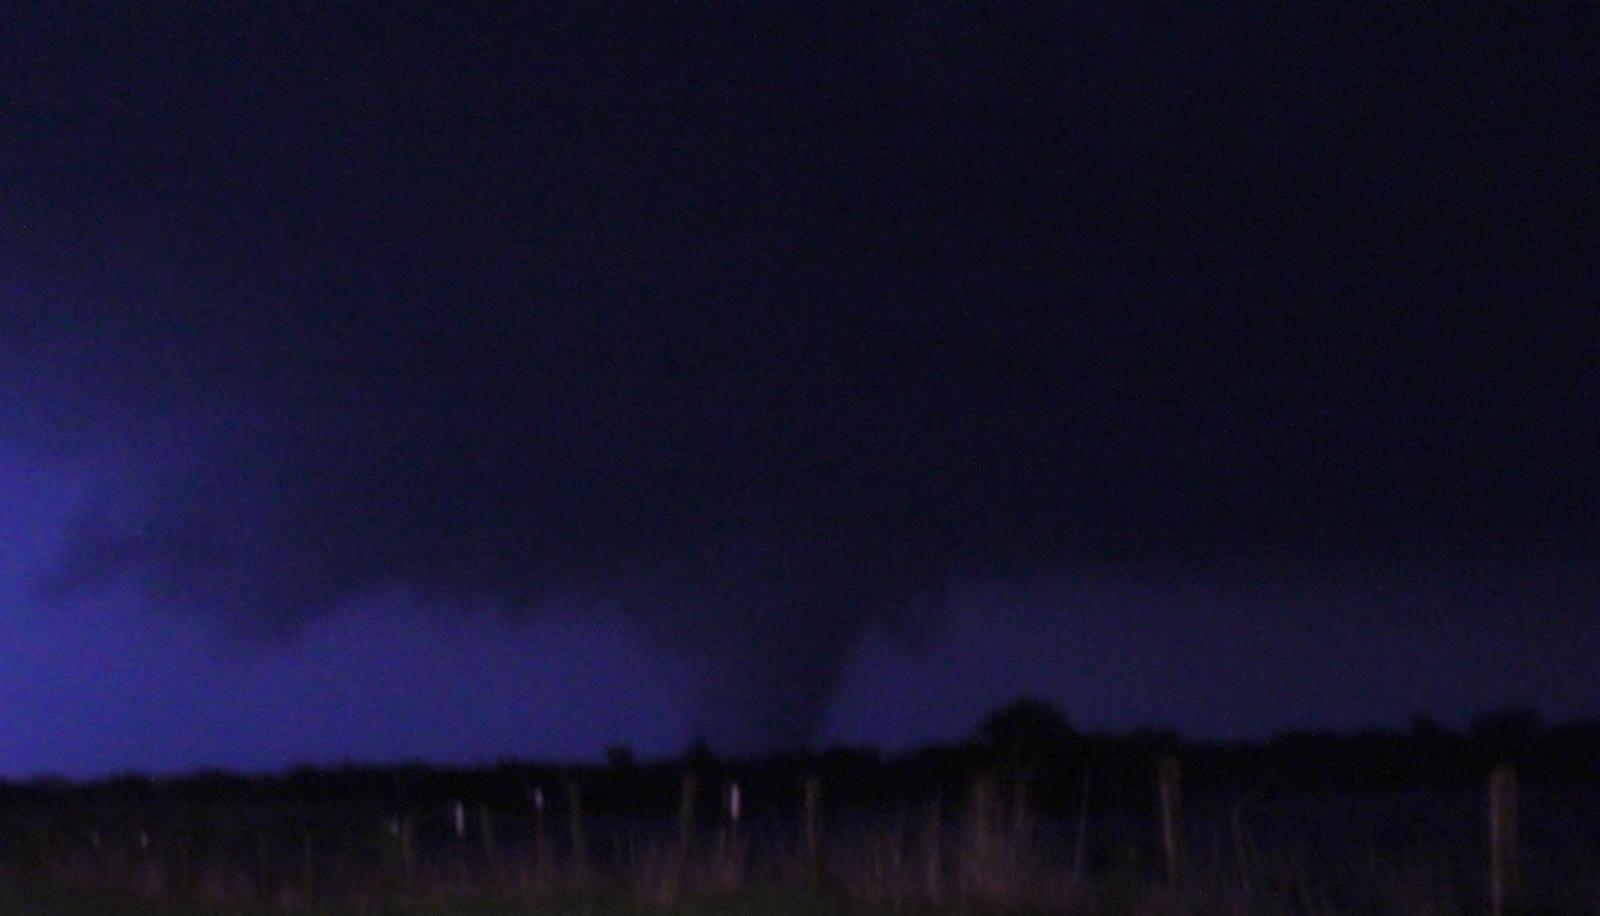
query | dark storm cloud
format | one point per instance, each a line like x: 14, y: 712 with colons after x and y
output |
x: 765, y: 328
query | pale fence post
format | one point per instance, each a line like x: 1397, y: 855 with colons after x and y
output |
x: 1169, y: 779
x: 734, y: 859
x: 458, y: 828
x: 541, y: 840
x: 1502, y: 840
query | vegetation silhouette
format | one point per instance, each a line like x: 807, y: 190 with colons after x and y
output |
x: 1028, y: 741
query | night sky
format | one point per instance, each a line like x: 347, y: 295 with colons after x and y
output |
x: 520, y: 380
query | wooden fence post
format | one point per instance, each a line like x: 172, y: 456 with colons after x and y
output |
x: 979, y: 869
x: 933, y: 850
x: 263, y: 861
x: 1080, y: 842
x: 1170, y: 786
x: 1502, y: 840
x: 811, y: 815
x: 688, y: 804
x: 984, y: 817
x: 308, y: 864
x: 491, y: 850
x: 576, y: 836
x: 408, y: 845
x: 1241, y: 852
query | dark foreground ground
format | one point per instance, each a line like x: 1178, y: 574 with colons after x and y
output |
x: 32, y: 898
x: 1033, y: 819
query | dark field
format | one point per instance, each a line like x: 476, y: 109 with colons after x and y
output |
x: 1366, y: 825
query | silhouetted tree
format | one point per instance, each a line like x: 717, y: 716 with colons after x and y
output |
x: 1507, y: 723
x: 620, y: 757
x: 699, y: 759
x: 1028, y: 736
x: 1506, y: 730
x: 1425, y: 728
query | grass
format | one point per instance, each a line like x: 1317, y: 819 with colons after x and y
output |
x: 987, y: 859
